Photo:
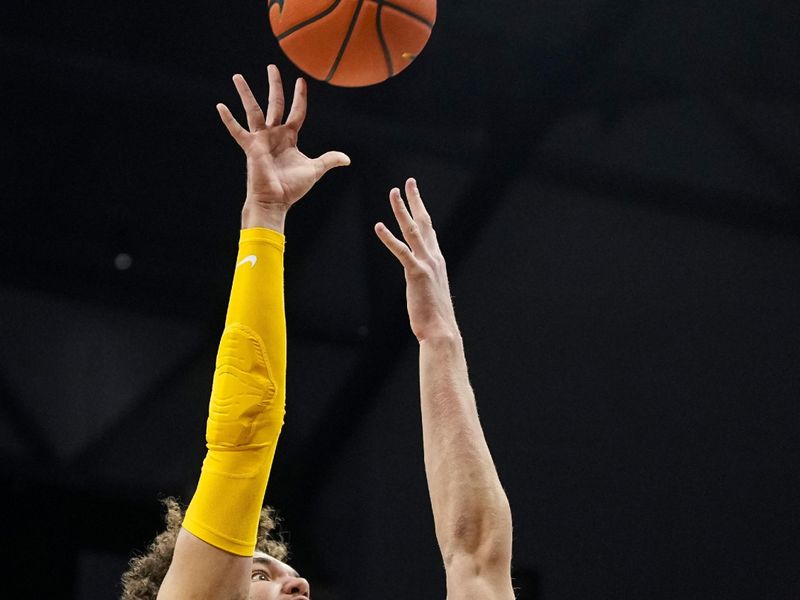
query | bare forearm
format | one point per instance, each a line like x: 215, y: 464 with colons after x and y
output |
x: 470, y: 508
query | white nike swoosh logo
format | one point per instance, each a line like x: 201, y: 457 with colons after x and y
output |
x: 252, y: 258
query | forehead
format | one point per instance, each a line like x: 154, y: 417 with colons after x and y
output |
x: 274, y: 564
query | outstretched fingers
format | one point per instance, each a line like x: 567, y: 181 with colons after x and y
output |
x: 411, y: 230
x: 395, y: 246
x: 419, y: 212
x: 297, y: 114
x: 277, y: 104
x: 237, y: 131
x: 255, y: 117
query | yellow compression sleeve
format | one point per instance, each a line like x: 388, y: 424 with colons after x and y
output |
x: 248, y: 400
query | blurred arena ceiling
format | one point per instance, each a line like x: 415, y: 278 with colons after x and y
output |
x: 638, y: 161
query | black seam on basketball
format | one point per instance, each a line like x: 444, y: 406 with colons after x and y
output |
x: 405, y: 11
x: 313, y: 19
x: 382, y: 39
x: 345, y: 42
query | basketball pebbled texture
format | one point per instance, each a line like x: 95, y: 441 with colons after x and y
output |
x: 352, y: 43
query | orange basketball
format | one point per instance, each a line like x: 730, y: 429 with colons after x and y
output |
x: 352, y: 42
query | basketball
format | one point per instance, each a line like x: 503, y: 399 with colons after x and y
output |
x: 352, y: 43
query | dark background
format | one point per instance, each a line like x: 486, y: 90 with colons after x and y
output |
x: 616, y: 188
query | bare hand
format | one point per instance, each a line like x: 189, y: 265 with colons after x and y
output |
x: 430, y: 307
x: 278, y: 174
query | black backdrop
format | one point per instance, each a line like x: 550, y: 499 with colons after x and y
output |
x: 615, y: 186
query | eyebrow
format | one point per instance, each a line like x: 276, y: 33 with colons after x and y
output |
x: 271, y: 563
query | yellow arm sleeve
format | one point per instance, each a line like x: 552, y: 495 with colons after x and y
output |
x: 248, y: 399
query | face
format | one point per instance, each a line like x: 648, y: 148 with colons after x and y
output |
x: 271, y: 579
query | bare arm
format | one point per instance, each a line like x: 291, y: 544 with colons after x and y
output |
x: 470, y: 508
x: 213, y: 552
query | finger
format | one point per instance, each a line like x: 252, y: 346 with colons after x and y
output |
x: 330, y: 160
x: 395, y: 246
x: 276, y: 103
x: 297, y: 114
x: 255, y: 118
x: 418, y: 210
x: 411, y: 231
x: 237, y: 131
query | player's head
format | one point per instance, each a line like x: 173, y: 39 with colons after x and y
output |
x: 271, y: 579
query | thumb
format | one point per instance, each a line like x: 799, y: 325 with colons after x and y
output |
x: 330, y: 160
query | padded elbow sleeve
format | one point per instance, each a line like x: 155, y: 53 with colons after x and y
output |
x: 240, y: 413
x: 247, y: 402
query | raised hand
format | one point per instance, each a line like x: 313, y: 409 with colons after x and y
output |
x: 278, y: 174
x: 430, y: 307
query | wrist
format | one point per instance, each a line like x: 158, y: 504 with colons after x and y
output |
x: 270, y: 217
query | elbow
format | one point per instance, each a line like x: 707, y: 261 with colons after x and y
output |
x: 485, y: 539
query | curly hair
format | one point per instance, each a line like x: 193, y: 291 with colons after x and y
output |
x: 146, y: 572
